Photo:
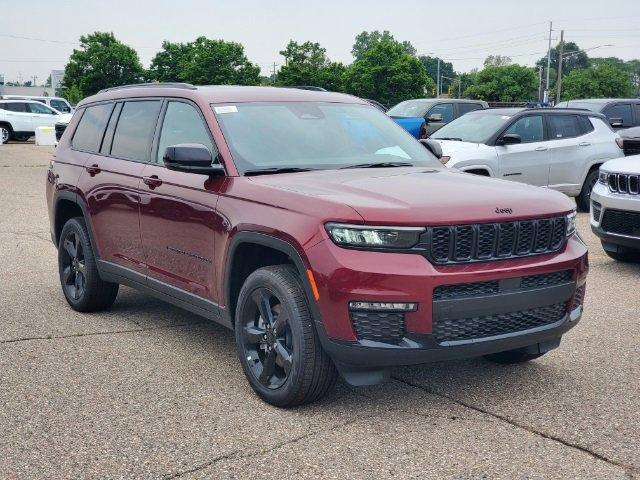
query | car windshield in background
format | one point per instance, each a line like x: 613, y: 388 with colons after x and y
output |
x: 593, y: 106
x: 410, y: 108
x: 315, y: 135
x: 475, y: 127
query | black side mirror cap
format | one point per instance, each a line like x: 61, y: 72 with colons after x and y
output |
x: 191, y: 158
x: 509, y: 139
x: 434, y: 147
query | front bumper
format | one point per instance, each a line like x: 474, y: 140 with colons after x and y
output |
x: 343, y: 276
x: 612, y: 201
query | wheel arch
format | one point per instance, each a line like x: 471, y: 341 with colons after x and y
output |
x: 68, y: 205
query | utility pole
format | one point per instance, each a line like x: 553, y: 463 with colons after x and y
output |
x: 438, y: 80
x: 274, y: 73
x: 559, y: 81
x: 546, y: 87
x: 459, y: 87
x: 540, y: 90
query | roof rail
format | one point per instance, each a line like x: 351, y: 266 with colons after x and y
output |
x: 186, y: 86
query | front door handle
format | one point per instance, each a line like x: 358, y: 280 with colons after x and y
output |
x: 153, y: 181
x: 584, y: 144
x: 541, y: 149
x: 93, y: 169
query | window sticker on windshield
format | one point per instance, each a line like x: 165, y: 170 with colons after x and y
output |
x: 226, y: 109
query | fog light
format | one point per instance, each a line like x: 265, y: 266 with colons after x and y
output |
x: 383, y: 306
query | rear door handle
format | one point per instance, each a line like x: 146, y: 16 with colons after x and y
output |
x: 541, y: 149
x: 584, y: 144
x: 93, y: 169
x: 153, y: 181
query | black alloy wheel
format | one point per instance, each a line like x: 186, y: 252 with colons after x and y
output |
x: 267, y: 339
x: 74, y: 276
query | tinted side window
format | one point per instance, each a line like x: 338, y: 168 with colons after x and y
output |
x: 585, y: 124
x: 444, y: 109
x: 134, y: 132
x: 88, y: 135
x: 183, y: 124
x: 636, y: 107
x: 17, y: 107
x: 60, y: 106
x: 529, y: 128
x: 468, y: 107
x: 40, y: 108
x: 563, y: 126
x: 622, y: 110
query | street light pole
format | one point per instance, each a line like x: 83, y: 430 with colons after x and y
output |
x: 559, y: 81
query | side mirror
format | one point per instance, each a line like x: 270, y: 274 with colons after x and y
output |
x: 191, y: 158
x: 436, y: 117
x: 434, y: 147
x: 616, y: 122
x: 509, y: 139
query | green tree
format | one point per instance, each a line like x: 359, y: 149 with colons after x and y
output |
x: 101, y: 62
x: 462, y: 82
x: 307, y: 64
x: 367, y: 40
x: 599, y: 82
x: 73, y: 94
x: 511, y: 83
x: 168, y: 64
x: 497, y: 61
x: 573, y: 57
x: 446, y: 70
x: 388, y: 74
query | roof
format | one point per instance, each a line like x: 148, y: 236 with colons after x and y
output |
x: 601, y: 101
x: 221, y: 94
x: 445, y: 100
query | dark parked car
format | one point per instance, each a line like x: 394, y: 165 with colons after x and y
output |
x: 621, y: 112
x: 422, y: 117
x: 312, y: 226
x: 630, y: 140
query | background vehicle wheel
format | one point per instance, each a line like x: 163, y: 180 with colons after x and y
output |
x: 21, y: 138
x: 584, y: 198
x: 512, y: 356
x: 628, y: 255
x: 5, y: 134
x: 277, y: 343
x: 81, y: 284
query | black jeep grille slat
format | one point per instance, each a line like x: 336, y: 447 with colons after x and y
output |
x: 621, y: 222
x: 498, y: 324
x: 493, y: 241
x: 387, y: 327
x: 492, y: 287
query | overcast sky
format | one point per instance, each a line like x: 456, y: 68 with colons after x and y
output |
x: 464, y: 32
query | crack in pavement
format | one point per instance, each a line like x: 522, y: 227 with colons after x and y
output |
x: 239, y: 455
x: 90, y: 334
x: 629, y: 470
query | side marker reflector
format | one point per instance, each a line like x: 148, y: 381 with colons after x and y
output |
x: 314, y: 287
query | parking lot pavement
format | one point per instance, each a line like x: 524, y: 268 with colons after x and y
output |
x: 149, y: 391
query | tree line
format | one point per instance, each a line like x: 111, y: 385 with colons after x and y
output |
x: 383, y: 69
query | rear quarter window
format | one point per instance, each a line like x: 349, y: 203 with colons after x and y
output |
x: 90, y: 130
x: 585, y: 124
x: 563, y: 126
x: 468, y: 107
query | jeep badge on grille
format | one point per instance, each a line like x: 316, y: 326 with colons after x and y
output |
x: 504, y: 210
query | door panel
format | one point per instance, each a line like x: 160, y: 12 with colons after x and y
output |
x: 526, y: 162
x: 569, y: 152
x: 446, y: 110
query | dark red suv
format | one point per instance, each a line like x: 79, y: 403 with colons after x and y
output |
x: 327, y: 237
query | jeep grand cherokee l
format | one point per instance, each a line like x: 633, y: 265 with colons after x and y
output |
x: 322, y: 233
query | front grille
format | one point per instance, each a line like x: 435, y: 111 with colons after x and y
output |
x: 499, y: 324
x: 385, y: 327
x: 623, y: 183
x: 631, y: 147
x: 621, y: 222
x: 492, y: 287
x: 495, y: 241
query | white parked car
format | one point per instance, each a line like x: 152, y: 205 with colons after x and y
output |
x: 615, y: 208
x: 20, y: 118
x: 57, y: 103
x: 558, y: 149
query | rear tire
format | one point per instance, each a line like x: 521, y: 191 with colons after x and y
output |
x: 21, y: 138
x: 277, y: 343
x: 81, y: 284
x: 513, y: 356
x: 583, y: 200
x: 5, y: 133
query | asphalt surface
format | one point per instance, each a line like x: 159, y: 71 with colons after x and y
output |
x: 146, y: 390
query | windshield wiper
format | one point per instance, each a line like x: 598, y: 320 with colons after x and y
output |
x: 268, y: 171
x: 379, y: 165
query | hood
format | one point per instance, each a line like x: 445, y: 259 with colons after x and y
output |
x: 421, y: 196
x: 630, y: 164
x: 631, y: 133
x: 464, y: 150
x: 64, y: 117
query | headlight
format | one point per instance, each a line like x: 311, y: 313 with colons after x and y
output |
x: 602, y: 177
x: 571, y: 223
x: 397, y: 238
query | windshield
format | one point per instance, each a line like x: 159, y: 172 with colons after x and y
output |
x: 315, y: 135
x: 472, y: 127
x: 410, y: 108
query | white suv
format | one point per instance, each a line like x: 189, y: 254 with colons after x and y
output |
x: 615, y: 208
x: 20, y: 118
x: 558, y: 149
x: 57, y: 103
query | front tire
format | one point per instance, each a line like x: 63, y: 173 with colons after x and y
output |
x: 276, y: 339
x: 584, y: 198
x: 81, y: 284
x: 5, y: 134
